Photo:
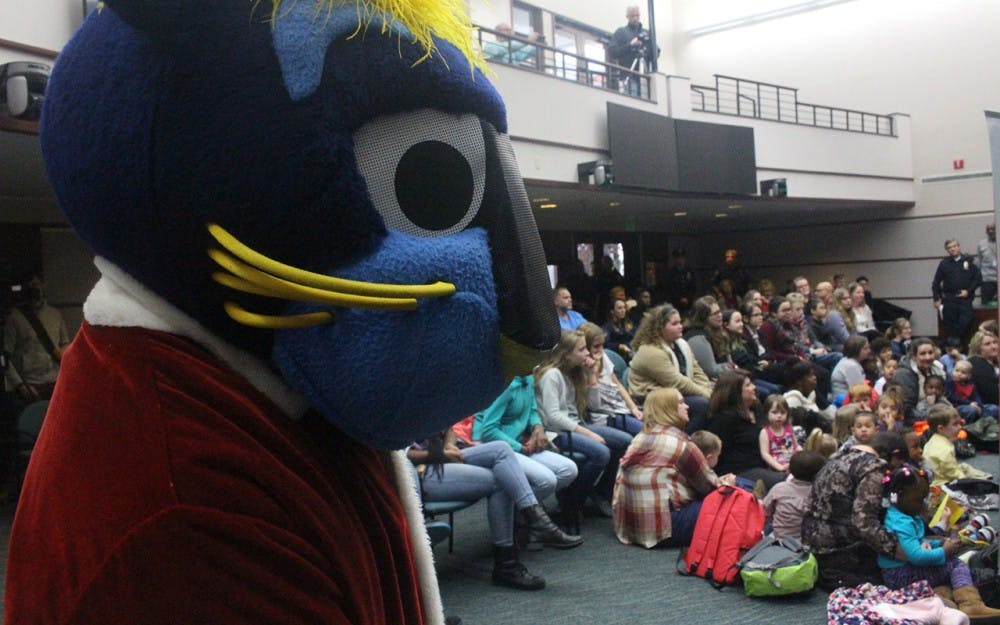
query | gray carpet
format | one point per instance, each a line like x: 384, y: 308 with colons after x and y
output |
x: 604, y: 582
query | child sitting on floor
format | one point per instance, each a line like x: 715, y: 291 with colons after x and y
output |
x: 821, y: 442
x: 888, y: 371
x: 786, y: 503
x: 709, y: 445
x: 962, y: 393
x: 939, y: 451
x: 932, y: 560
x: 777, y: 440
x: 863, y: 429
x: 890, y: 413
x: 933, y: 396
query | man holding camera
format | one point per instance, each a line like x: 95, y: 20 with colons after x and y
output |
x: 630, y: 45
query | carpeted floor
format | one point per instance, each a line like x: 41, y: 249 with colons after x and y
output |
x: 604, y: 582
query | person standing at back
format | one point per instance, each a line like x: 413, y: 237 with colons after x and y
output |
x: 34, y: 337
x: 955, y: 281
x: 986, y: 258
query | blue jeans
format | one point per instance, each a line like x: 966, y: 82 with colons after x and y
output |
x: 547, y: 472
x: 682, y: 524
x: 697, y: 413
x: 626, y: 423
x: 595, y: 459
x: 489, y: 470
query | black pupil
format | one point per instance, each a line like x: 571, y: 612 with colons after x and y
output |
x: 434, y: 185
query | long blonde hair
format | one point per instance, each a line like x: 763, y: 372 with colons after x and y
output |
x: 848, y: 314
x: 662, y: 407
x: 577, y: 376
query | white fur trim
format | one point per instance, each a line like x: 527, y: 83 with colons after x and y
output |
x: 422, y: 554
x: 119, y: 300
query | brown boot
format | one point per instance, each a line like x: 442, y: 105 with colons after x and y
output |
x: 945, y: 593
x: 969, y: 601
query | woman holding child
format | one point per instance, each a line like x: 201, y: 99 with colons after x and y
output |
x: 663, y: 478
x: 732, y: 419
x: 984, y: 354
x: 843, y: 525
x: 918, y: 363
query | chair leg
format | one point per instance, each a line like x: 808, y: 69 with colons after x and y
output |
x: 451, y: 536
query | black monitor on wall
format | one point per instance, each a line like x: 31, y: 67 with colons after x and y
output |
x: 642, y: 148
x: 659, y: 152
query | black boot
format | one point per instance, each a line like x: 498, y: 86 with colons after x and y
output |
x: 508, y: 570
x: 543, y: 530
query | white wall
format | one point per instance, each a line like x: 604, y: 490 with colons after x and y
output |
x: 930, y: 60
x: 41, y: 23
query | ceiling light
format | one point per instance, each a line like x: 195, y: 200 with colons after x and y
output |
x: 613, y: 204
x: 550, y: 205
x: 540, y: 199
x: 680, y: 214
x: 734, y: 206
x: 720, y: 215
x: 755, y: 18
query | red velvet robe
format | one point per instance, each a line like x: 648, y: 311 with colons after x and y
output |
x: 166, y: 489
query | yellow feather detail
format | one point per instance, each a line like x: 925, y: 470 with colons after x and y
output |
x: 425, y: 19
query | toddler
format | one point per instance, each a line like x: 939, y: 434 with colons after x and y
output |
x: 821, y: 442
x: 709, y: 444
x: 933, y: 560
x: 860, y: 394
x: 962, y: 394
x: 786, y: 503
x: 933, y: 396
x: 843, y: 420
x: 888, y: 371
x: 952, y: 349
x: 863, y: 429
x: 939, y: 451
x: 890, y: 413
x: 777, y: 440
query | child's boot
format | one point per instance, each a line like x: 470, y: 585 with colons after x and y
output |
x: 946, y: 597
x: 969, y: 601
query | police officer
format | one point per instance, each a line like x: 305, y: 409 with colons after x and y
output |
x: 955, y: 281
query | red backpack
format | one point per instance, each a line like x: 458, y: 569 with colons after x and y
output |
x: 731, y: 521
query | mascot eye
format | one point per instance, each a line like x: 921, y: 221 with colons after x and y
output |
x: 425, y: 170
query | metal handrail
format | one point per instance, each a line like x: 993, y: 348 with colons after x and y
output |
x: 781, y: 104
x: 523, y: 53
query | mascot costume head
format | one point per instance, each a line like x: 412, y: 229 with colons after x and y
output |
x: 314, y: 246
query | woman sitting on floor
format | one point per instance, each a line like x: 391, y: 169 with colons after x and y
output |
x: 732, y: 419
x: 843, y: 524
x: 663, y: 478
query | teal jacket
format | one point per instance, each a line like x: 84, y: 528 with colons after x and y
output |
x: 910, y: 532
x: 510, y: 416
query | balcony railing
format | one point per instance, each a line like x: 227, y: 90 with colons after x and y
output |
x: 749, y: 98
x: 535, y: 56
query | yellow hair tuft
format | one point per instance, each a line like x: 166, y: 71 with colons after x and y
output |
x: 425, y: 19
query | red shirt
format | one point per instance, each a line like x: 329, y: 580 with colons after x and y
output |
x: 165, y: 488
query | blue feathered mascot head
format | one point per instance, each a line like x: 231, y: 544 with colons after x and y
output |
x: 325, y: 185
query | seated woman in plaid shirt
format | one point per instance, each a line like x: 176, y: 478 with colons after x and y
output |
x: 663, y: 478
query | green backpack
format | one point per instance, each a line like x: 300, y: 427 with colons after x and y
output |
x: 778, y: 566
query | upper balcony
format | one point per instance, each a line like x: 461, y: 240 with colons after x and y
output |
x: 837, y: 162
